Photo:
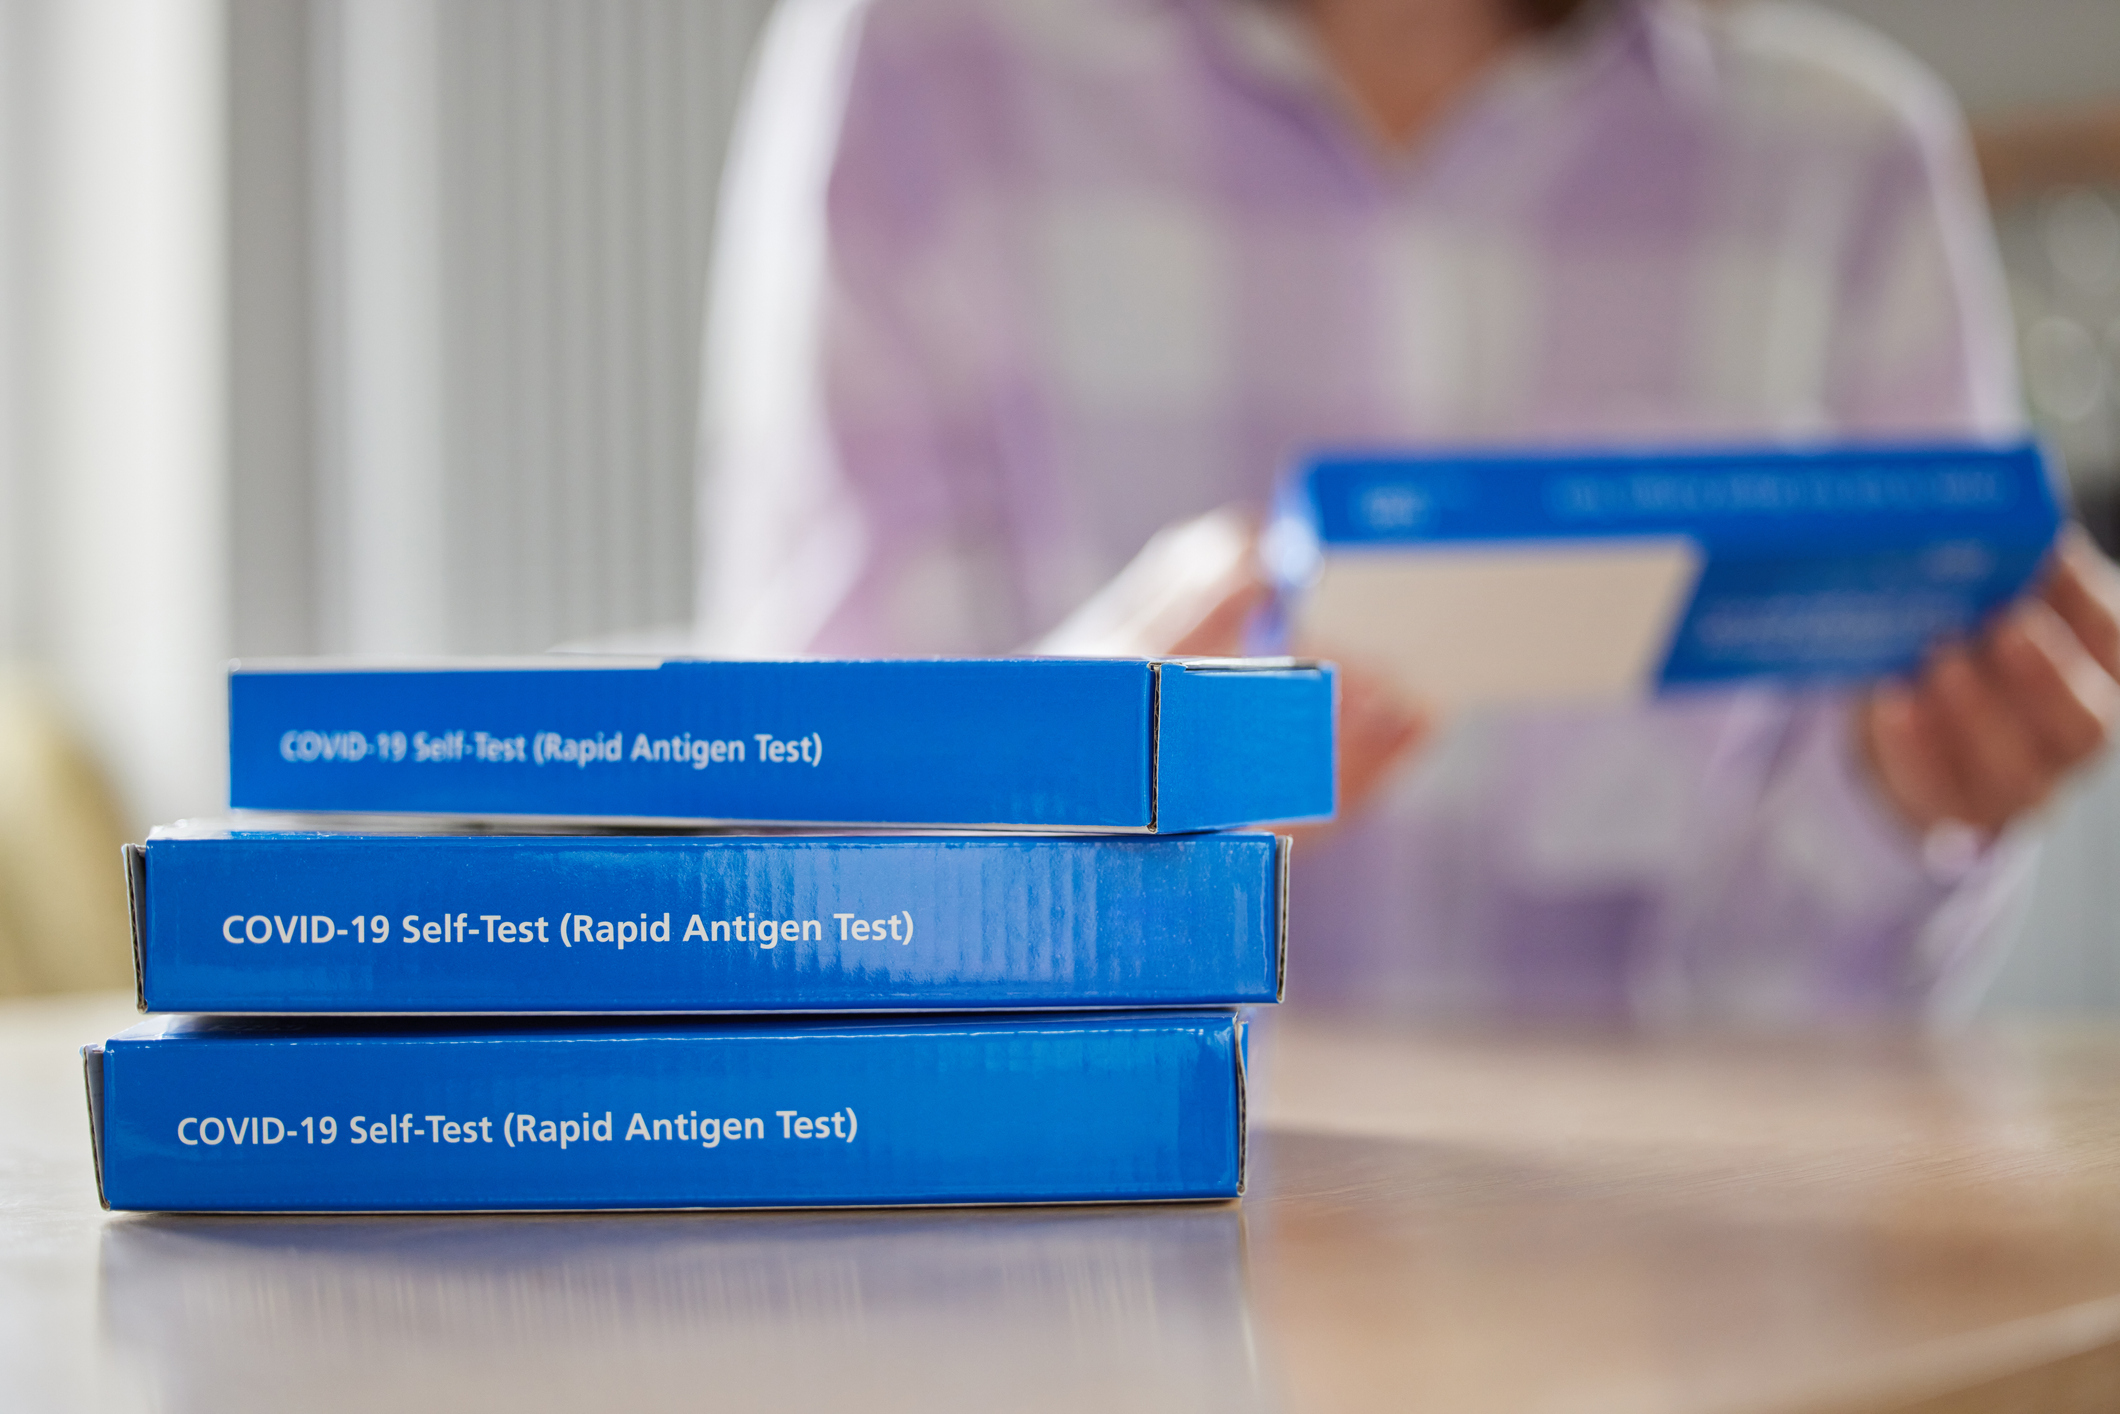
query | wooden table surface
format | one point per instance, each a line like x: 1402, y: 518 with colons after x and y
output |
x: 1435, y: 1223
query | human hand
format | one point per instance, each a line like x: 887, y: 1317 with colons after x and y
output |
x: 1376, y: 729
x: 1191, y: 593
x: 1376, y: 732
x: 1989, y: 729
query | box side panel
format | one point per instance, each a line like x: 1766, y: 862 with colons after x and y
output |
x: 1240, y: 1064
x: 134, y: 859
x: 1794, y: 498
x: 1060, y: 744
x: 1283, y: 858
x: 1243, y: 747
x: 1826, y: 564
x: 92, y: 1075
x: 307, y: 923
x: 1842, y: 619
x: 1049, y: 1110
x: 1853, y: 605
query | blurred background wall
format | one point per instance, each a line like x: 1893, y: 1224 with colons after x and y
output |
x: 374, y: 326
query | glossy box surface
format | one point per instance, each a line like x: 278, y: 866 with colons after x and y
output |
x: 282, y: 1116
x: 1062, y: 744
x: 241, y: 921
x: 1497, y: 575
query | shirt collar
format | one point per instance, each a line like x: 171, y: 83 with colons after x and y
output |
x: 1672, y: 36
x: 1267, y: 43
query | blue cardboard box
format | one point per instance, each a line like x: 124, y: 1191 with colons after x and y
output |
x: 1482, y: 577
x: 192, y: 1114
x: 1156, y: 746
x: 237, y: 920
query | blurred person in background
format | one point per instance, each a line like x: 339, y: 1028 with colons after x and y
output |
x: 1086, y: 270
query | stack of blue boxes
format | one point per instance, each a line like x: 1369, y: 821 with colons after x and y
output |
x: 983, y: 942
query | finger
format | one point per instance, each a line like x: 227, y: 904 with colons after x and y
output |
x: 1374, y: 714
x: 2084, y: 589
x: 2058, y: 690
x: 1377, y: 731
x: 1998, y: 766
x: 1381, y: 739
x: 1219, y: 633
x: 1903, y: 754
x: 1365, y: 769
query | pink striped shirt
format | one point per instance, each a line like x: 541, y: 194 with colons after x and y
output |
x: 1087, y: 267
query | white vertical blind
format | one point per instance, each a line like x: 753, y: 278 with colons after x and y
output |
x: 516, y: 204
x: 387, y: 479
x: 16, y: 106
x: 121, y: 211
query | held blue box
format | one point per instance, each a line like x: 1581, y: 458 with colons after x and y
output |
x: 1056, y: 744
x: 1507, y: 576
x: 242, y: 921
x: 254, y: 1116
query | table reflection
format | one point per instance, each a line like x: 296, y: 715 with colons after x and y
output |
x: 1094, y: 1308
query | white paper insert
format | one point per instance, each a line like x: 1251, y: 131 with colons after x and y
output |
x: 1465, y: 625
